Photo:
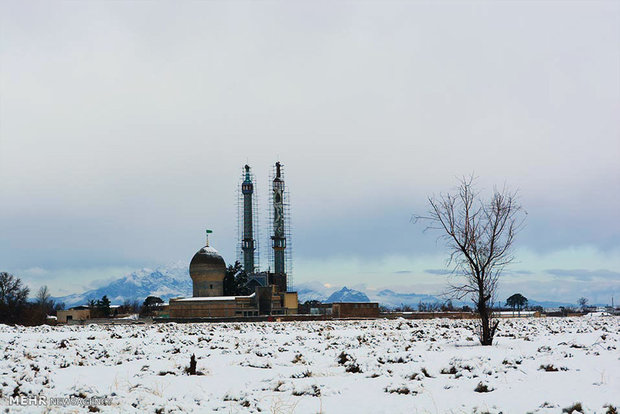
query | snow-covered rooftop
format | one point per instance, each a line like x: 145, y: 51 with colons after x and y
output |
x: 205, y: 298
x: 213, y: 298
x: 209, y: 251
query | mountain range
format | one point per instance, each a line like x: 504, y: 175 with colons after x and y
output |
x: 347, y: 295
x: 164, y: 282
x: 174, y: 281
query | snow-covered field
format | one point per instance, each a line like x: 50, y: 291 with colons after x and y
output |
x: 379, y: 366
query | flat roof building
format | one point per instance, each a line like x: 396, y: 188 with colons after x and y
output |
x: 355, y: 310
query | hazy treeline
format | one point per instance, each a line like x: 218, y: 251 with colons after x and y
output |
x: 15, y: 308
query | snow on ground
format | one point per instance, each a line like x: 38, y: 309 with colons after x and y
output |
x: 378, y: 366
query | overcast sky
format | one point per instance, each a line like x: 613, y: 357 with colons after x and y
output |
x: 124, y: 127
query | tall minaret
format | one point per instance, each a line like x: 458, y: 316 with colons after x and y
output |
x: 278, y: 238
x: 247, y: 243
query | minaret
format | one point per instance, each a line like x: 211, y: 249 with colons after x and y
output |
x: 247, y: 243
x: 278, y: 238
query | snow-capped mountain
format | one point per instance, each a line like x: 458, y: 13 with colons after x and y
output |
x: 391, y: 299
x: 305, y: 294
x: 312, y: 291
x: 386, y: 297
x: 174, y: 281
x: 164, y: 282
x: 347, y: 295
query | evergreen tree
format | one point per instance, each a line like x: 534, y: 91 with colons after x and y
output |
x: 103, y: 307
x: 517, y: 301
x: 235, y: 281
x: 230, y: 280
x: 241, y: 281
x: 149, y: 305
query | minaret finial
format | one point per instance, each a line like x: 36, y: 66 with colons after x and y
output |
x: 247, y: 173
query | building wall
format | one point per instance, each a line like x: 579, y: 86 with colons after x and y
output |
x: 279, y: 280
x: 356, y: 310
x: 264, y: 297
x: 73, y: 314
x: 208, y: 288
x: 202, y: 308
x: 291, y: 303
x: 265, y: 302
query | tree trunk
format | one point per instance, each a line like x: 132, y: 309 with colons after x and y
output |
x: 488, y: 328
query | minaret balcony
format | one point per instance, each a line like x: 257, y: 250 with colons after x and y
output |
x: 247, y: 188
x: 278, y: 243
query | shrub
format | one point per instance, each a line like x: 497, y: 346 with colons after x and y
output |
x: 353, y: 368
x: 426, y: 374
x: 451, y: 370
x: 551, y: 368
x: 575, y: 407
x: 482, y: 388
x: 306, y: 374
x: 415, y: 377
x: 343, y: 358
x: 191, y: 370
x: 400, y: 390
x: 315, y: 391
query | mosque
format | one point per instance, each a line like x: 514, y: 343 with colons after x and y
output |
x: 207, y: 268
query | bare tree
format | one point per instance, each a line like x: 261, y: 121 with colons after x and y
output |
x: 44, y: 304
x: 43, y: 297
x: 130, y: 306
x: 479, y: 236
x: 583, y: 302
x: 13, y: 298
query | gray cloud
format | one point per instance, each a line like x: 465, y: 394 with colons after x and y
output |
x: 122, y: 137
x: 584, y: 274
x: 438, y: 271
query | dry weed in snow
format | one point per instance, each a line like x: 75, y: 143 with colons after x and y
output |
x: 545, y: 365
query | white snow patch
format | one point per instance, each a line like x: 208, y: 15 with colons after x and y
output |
x: 539, y: 365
